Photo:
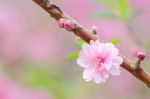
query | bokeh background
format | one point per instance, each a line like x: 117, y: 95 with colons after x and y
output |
x: 33, y: 49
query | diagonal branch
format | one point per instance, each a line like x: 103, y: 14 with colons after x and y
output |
x: 86, y: 35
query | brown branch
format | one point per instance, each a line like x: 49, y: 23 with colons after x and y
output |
x: 83, y: 33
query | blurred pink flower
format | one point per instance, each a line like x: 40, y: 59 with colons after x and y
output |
x: 140, y: 3
x: 11, y: 90
x: 13, y: 27
x: 40, y: 47
x: 99, y: 60
x: 37, y: 94
x: 18, y: 41
x: 80, y: 12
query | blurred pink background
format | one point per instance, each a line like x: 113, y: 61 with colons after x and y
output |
x: 33, y: 49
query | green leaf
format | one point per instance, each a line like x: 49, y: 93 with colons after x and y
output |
x: 104, y: 14
x: 72, y: 55
x: 148, y: 45
x: 37, y: 76
x: 123, y: 7
x: 108, y: 3
x: 120, y: 8
x: 80, y: 42
x: 115, y: 41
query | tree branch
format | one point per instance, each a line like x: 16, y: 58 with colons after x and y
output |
x: 86, y: 35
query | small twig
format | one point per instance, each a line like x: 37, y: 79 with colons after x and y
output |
x: 140, y: 57
x: 86, y: 35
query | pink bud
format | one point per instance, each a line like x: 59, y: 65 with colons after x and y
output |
x: 61, y: 23
x: 68, y: 25
x: 141, y: 55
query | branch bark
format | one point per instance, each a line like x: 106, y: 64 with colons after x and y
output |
x: 86, y: 35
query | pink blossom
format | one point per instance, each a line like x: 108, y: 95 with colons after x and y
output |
x: 99, y: 60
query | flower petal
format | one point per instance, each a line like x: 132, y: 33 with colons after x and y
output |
x: 88, y: 73
x: 98, y: 78
x: 114, y: 71
x: 82, y: 62
x: 108, y: 65
x: 111, y: 50
x: 118, y: 60
x: 105, y: 74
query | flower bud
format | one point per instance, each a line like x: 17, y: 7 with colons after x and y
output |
x: 61, y: 23
x: 94, y: 29
x: 69, y: 25
x: 141, y: 55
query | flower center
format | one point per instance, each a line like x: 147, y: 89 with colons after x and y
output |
x: 100, y: 61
